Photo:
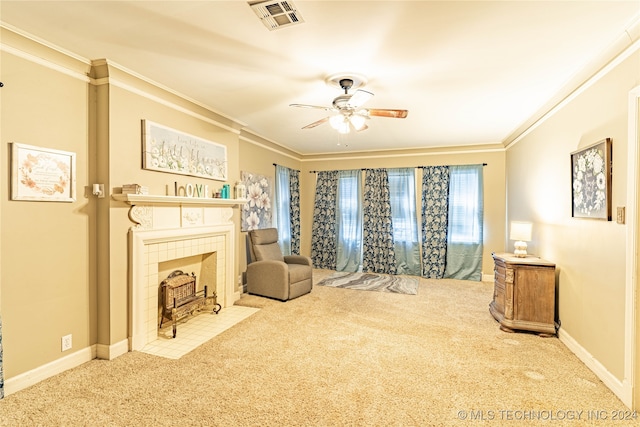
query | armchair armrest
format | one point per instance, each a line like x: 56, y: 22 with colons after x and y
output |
x: 297, y: 259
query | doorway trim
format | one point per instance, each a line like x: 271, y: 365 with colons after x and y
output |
x: 630, y: 381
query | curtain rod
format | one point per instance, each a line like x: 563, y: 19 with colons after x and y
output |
x: 415, y: 167
x: 275, y: 164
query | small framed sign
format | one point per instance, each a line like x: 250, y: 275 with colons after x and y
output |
x: 42, y: 174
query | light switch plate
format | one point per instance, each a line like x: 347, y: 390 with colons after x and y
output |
x: 620, y: 215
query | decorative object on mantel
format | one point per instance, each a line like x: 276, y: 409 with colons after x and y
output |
x: 241, y: 190
x: 256, y: 212
x: 134, y: 189
x: 591, y: 181
x: 224, y: 193
x: 42, y: 174
x: 521, y: 233
x: 169, y: 150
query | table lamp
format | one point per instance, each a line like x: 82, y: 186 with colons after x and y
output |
x: 521, y: 233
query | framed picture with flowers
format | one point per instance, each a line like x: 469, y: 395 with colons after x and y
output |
x: 591, y: 181
x: 256, y: 213
x: 42, y: 174
x: 169, y: 150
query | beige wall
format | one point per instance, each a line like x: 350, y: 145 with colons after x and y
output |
x: 589, y: 254
x: 636, y: 348
x: 47, y: 279
x: 494, y: 185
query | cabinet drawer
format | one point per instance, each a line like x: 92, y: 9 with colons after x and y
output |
x: 499, y: 274
x: 498, y: 296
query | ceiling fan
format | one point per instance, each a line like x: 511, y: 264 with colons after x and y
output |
x: 347, y: 110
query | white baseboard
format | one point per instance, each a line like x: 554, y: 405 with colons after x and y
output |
x: 488, y: 277
x: 617, y: 386
x: 110, y: 352
x: 41, y: 373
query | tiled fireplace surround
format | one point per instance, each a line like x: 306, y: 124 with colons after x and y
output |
x: 168, y: 229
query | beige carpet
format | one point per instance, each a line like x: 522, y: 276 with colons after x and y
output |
x: 335, y: 357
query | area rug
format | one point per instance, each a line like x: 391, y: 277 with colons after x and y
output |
x: 372, y: 282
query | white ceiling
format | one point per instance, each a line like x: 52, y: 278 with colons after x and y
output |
x: 469, y: 72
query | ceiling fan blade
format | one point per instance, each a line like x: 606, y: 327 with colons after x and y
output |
x: 359, y: 97
x: 364, y: 127
x: 311, y: 106
x: 396, y: 114
x: 316, y: 123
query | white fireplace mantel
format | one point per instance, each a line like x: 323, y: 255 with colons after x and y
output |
x: 161, y: 212
x: 168, y: 228
x: 148, y: 199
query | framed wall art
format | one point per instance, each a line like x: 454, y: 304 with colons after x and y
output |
x: 256, y: 213
x: 591, y: 181
x: 168, y: 150
x: 42, y: 174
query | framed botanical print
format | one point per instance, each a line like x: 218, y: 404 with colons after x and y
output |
x: 169, y: 150
x: 42, y: 174
x: 591, y: 181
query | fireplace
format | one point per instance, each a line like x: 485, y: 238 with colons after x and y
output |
x: 181, y: 298
x: 165, y: 232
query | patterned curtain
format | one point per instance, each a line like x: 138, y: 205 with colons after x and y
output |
x: 435, y: 201
x: 377, y: 233
x: 323, y: 237
x: 294, y: 210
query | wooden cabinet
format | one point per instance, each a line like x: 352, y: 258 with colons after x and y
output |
x: 524, y: 294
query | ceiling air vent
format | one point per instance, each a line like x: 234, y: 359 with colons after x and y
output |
x: 276, y: 14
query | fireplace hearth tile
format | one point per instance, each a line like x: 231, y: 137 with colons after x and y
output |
x: 195, y: 331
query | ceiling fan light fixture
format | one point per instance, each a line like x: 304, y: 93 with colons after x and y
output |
x: 347, y: 110
x: 337, y: 121
x: 357, y: 121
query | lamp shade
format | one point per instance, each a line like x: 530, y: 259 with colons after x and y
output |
x: 520, y: 231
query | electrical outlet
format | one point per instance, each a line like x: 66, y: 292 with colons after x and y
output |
x: 67, y: 342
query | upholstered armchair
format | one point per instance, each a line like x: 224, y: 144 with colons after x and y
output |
x: 273, y: 275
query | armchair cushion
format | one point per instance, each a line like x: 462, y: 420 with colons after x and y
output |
x: 270, y: 252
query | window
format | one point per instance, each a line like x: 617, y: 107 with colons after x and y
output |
x: 465, y: 205
x: 348, y: 207
x: 349, y: 221
x: 402, y: 195
x: 281, y: 213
